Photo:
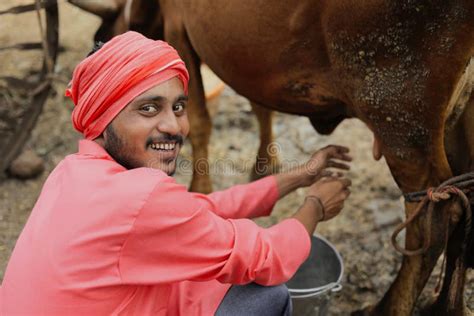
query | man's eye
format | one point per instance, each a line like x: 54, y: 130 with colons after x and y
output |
x: 149, y: 108
x: 178, y: 107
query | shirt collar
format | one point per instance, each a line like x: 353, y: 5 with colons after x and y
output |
x: 91, y: 148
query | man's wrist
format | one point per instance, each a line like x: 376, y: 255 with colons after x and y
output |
x: 316, y: 201
x: 288, y: 182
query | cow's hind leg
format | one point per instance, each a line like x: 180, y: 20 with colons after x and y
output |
x: 267, y: 156
x: 199, y: 119
x: 416, y: 168
x: 451, y: 298
x: 401, y: 297
x: 415, y: 175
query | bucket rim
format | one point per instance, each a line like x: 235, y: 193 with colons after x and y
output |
x: 335, y: 287
x: 327, y: 287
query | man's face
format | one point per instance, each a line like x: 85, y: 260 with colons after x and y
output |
x: 150, y: 130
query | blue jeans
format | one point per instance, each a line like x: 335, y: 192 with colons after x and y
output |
x: 253, y: 299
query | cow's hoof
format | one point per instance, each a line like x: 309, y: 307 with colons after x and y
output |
x: 435, y: 309
x: 433, y: 312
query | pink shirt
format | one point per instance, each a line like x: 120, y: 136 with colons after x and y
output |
x: 105, y: 240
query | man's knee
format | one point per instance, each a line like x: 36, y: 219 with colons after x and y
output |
x: 254, y: 299
x: 277, y: 293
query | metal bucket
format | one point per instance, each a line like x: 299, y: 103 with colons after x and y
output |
x: 318, y: 277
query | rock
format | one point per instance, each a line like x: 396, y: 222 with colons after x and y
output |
x: 388, y: 218
x: 386, y: 213
x: 27, y: 165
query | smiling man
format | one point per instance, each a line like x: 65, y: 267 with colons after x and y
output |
x: 152, y: 129
x: 112, y: 233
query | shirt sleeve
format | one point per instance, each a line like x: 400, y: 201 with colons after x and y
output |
x: 243, y: 201
x: 175, y: 238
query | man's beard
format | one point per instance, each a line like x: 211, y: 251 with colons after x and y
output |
x: 115, y: 147
x: 118, y: 150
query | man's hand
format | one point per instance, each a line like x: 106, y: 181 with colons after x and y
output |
x: 331, y: 193
x: 325, y: 199
x: 331, y: 156
x: 316, y: 167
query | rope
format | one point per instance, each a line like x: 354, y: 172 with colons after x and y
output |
x: 459, y: 186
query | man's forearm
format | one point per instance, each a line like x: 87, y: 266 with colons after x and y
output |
x: 288, y: 182
x: 250, y: 200
x: 309, y: 215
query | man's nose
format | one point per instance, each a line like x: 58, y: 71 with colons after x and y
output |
x: 169, y: 123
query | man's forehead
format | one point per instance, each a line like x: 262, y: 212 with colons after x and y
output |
x: 171, y: 90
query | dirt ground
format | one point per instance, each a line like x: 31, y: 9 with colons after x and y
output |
x: 361, y: 233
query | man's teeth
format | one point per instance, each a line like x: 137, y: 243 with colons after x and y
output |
x: 163, y: 146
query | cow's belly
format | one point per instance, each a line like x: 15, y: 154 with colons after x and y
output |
x: 279, y: 61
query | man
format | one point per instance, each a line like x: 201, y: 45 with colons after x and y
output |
x: 112, y: 232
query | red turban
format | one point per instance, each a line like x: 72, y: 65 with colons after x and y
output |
x: 125, y: 67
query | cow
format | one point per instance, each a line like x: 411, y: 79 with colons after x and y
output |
x: 405, y: 68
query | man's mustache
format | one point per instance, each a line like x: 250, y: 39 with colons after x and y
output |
x: 179, y: 139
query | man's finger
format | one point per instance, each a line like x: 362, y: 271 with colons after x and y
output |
x: 345, y: 157
x: 346, y: 182
x: 326, y: 173
x: 327, y: 179
x: 340, y: 149
x: 342, y: 206
x: 336, y: 152
x: 338, y: 165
